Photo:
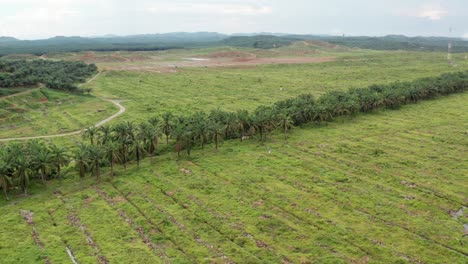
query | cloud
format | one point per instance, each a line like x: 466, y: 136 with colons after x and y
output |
x: 242, y: 9
x: 465, y: 36
x: 431, y: 12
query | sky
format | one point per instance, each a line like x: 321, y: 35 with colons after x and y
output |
x: 36, y: 19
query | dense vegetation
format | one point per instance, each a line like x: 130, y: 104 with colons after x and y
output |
x: 127, y: 141
x: 259, y: 42
x: 61, y: 75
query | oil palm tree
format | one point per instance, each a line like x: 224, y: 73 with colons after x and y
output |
x: 200, y: 132
x: 104, y: 134
x: 124, y: 138
x: 178, y: 133
x: 217, y: 131
x: 22, y: 166
x: 96, y: 155
x: 230, y: 125
x: 43, y: 161
x: 81, y: 157
x: 5, y: 179
x: 150, y: 133
x: 167, y: 125
x: 60, y: 158
x: 262, y: 120
x: 113, y: 154
x: 285, y: 122
x: 243, y: 122
x: 138, y: 148
x: 90, y: 134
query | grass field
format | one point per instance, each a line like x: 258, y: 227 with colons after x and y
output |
x: 376, y: 188
x: 192, y: 89
x: 45, y: 112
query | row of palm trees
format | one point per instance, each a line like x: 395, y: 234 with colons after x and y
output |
x: 128, y: 141
x: 305, y: 109
x: 35, y: 159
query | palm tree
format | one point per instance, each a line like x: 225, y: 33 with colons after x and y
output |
x: 97, y: 156
x: 43, y: 161
x: 22, y: 171
x: 263, y: 120
x: 150, y: 134
x: 167, y: 125
x: 138, y: 148
x: 154, y: 121
x: 244, y: 122
x: 188, y: 139
x: 5, y: 179
x: 81, y: 158
x: 130, y: 129
x: 217, y: 131
x: 200, y: 133
x: 124, y: 138
x: 285, y: 123
x: 178, y: 133
x: 60, y: 158
x: 113, y: 154
x: 90, y: 134
x: 105, y: 134
x: 230, y: 125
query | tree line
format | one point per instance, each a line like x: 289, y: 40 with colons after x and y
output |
x: 130, y: 142
x: 60, y: 75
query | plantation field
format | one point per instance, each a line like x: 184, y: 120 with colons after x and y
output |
x: 376, y: 188
x: 193, y: 86
x: 45, y: 112
x: 233, y: 88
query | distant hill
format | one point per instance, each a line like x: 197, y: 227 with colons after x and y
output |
x: 261, y: 42
x: 9, y: 45
x: 395, y: 42
x: 109, y: 43
x: 7, y: 39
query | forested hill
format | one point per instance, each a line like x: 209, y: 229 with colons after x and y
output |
x: 398, y: 42
x: 9, y: 45
x: 394, y: 42
x: 108, y: 43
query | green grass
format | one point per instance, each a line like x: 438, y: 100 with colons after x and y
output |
x: 374, y: 188
x: 45, y: 112
x: 193, y: 89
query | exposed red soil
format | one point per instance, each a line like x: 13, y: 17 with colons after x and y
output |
x: 253, y: 61
x: 230, y: 59
x: 228, y: 54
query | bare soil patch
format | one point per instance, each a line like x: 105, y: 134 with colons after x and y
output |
x: 230, y: 59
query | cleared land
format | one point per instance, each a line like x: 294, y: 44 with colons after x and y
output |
x: 378, y: 188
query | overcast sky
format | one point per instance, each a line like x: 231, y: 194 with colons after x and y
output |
x: 32, y: 19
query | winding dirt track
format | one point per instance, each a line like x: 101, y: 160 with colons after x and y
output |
x: 122, y: 110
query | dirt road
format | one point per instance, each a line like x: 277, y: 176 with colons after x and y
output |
x: 122, y: 110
